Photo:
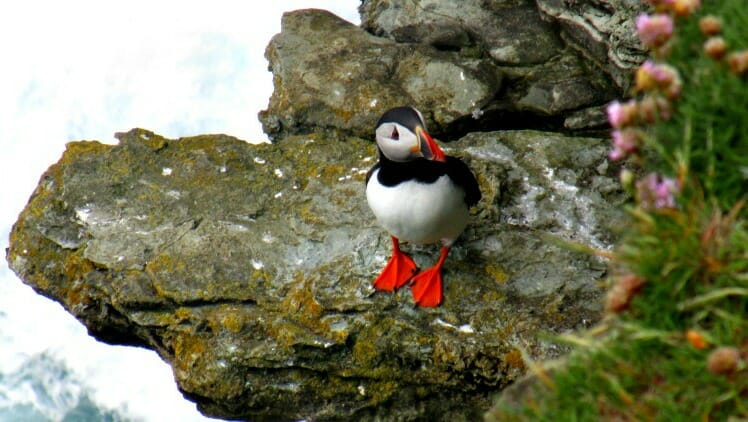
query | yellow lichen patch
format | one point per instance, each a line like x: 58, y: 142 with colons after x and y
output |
x: 75, y: 297
x: 82, y: 148
x: 331, y: 173
x: 187, y: 351
x: 491, y: 296
x: 261, y: 275
x: 378, y: 391
x: 76, y: 266
x: 163, y: 319
x: 365, y: 350
x: 308, y: 214
x: 497, y: 273
x: 183, y: 314
x: 164, y: 264
x: 151, y: 140
x: 232, y: 321
x: 513, y: 360
x: 301, y: 300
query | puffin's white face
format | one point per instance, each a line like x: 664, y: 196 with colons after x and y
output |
x: 397, y: 142
x: 401, y: 136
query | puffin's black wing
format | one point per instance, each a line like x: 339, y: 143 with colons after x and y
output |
x: 461, y: 175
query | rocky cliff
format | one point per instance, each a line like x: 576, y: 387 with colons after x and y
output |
x: 248, y: 268
x: 469, y: 65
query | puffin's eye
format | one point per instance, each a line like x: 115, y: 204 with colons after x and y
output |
x: 395, y: 134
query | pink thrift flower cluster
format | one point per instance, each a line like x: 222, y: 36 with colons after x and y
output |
x: 625, y: 138
x: 658, y: 77
x: 621, y: 114
x: 656, y: 192
x: 654, y: 30
x: 657, y: 85
x: 625, y: 142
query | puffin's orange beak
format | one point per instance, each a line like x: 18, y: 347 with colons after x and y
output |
x: 428, y: 147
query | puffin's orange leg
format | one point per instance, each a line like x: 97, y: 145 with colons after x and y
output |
x: 398, y: 270
x: 427, y: 286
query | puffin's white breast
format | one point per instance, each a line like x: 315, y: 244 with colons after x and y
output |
x: 419, y: 212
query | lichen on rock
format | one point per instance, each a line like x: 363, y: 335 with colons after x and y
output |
x: 248, y: 268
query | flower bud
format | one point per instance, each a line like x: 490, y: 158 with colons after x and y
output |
x: 685, y: 7
x: 738, y: 62
x: 696, y: 339
x: 627, y: 178
x: 723, y: 360
x: 710, y: 25
x: 631, y: 282
x: 620, y: 295
x: 617, y: 300
x: 715, y: 47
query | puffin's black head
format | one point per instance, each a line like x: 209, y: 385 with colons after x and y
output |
x: 402, y: 136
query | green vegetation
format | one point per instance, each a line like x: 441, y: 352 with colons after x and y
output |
x: 674, y: 342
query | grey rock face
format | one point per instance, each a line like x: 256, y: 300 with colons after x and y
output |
x: 511, y: 32
x: 602, y: 31
x: 470, y: 65
x: 518, y: 32
x: 332, y: 75
x: 248, y: 268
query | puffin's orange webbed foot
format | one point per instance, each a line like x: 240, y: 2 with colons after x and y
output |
x: 398, y: 270
x: 427, y: 286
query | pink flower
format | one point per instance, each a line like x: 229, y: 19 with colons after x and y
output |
x: 661, y: 77
x: 654, y: 30
x: 650, y: 75
x: 656, y: 192
x: 621, y: 115
x: 663, y: 74
x: 625, y: 142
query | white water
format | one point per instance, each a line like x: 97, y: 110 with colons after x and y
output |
x: 74, y: 70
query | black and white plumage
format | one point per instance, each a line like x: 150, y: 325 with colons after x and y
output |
x: 418, y: 195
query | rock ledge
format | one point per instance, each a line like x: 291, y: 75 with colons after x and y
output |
x: 248, y: 269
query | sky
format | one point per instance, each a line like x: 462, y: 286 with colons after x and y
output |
x: 74, y: 70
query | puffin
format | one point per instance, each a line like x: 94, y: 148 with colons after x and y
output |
x: 419, y: 195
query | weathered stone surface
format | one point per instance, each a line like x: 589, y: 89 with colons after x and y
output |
x: 602, y: 31
x: 248, y: 268
x: 469, y: 65
x: 512, y: 32
x: 518, y: 32
x: 331, y: 75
